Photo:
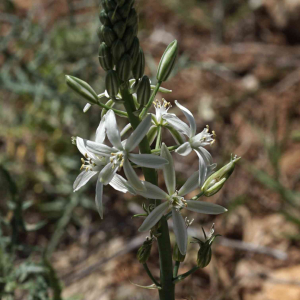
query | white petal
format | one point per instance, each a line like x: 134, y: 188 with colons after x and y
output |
x: 202, y: 168
x: 98, y: 197
x: 153, y: 191
x: 87, y: 107
x: 132, y: 177
x: 205, y: 154
x: 113, y: 133
x: 168, y: 170
x: 148, y: 160
x: 99, y: 149
x: 189, y: 117
x: 138, y: 134
x: 205, y: 207
x: 100, y: 132
x: 121, y: 184
x: 177, y: 124
x: 107, y: 173
x: 190, y: 185
x: 184, y: 149
x: 82, y: 147
x: 154, y: 217
x: 82, y: 179
x: 180, y: 231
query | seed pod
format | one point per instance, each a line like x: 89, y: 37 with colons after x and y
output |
x: 109, y: 103
x: 104, y: 19
x: 125, y: 9
x: 144, y: 91
x: 167, y: 61
x: 177, y: 256
x: 216, y: 181
x: 132, y: 18
x: 119, y: 29
x: 105, y: 58
x: 108, y: 35
x: 144, y: 251
x: 128, y: 37
x: 114, y: 16
x: 139, y: 67
x: 112, y: 83
x: 124, y: 67
x: 117, y: 49
x: 82, y: 88
x: 134, y: 50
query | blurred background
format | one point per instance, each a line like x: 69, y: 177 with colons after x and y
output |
x: 238, y: 71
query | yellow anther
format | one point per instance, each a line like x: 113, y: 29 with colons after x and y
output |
x: 82, y: 160
x: 86, y: 155
x: 207, y: 126
x: 212, y: 142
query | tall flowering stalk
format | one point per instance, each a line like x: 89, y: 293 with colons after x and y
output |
x: 121, y: 56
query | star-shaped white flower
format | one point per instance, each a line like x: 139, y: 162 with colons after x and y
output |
x: 175, y: 200
x: 120, y: 154
x: 195, y: 141
x: 93, y: 164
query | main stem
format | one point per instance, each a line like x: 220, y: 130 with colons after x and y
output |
x: 167, y: 291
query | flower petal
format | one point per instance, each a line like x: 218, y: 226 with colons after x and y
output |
x: 82, y: 147
x: 100, y: 132
x: 189, y: 117
x: 121, y: 184
x: 107, y: 173
x: 113, y: 133
x: 132, y: 177
x: 185, y: 149
x: 177, y: 124
x: 190, y: 185
x: 99, y: 196
x: 205, y: 154
x: 82, y: 179
x: 205, y: 207
x: 180, y: 231
x: 148, y: 160
x: 168, y: 169
x: 153, y: 191
x: 154, y: 217
x: 203, y: 163
x: 138, y: 134
x: 99, y: 149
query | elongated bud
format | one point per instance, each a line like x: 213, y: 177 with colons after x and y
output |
x: 104, y: 19
x: 82, y: 88
x: 144, y: 91
x: 128, y: 37
x: 109, y: 4
x: 139, y: 67
x: 124, y: 67
x: 125, y: 9
x: 134, y: 50
x: 114, y: 17
x: 112, y: 83
x: 132, y: 18
x: 144, y: 251
x: 177, y: 256
x: 216, y: 181
x: 108, y: 35
x: 167, y: 61
x: 119, y: 29
x: 105, y: 58
x: 117, y: 49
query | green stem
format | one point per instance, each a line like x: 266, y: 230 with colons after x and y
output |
x: 148, y: 105
x: 158, y: 138
x: 176, y: 268
x: 150, y: 274
x: 185, y: 275
x: 197, y: 196
x: 171, y: 148
x: 118, y: 112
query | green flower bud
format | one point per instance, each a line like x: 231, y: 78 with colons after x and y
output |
x: 112, y: 83
x: 114, y: 16
x: 139, y: 67
x: 117, y: 49
x: 124, y: 67
x: 104, y: 5
x: 110, y: 4
x: 105, y: 58
x: 104, y: 19
x: 125, y: 9
x: 132, y: 18
x: 216, y: 181
x: 134, y: 50
x: 144, y: 251
x: 119, y: 29
x: 120, y: 2
x: 99, y: 33
x: 109, y: 103
x: 177, y: 256
x: 82, y: 88
x: 108, y: 35
x: 167, y: 61
x: 144, y: 91
x: 128, y: 37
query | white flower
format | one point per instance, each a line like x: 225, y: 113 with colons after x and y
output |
x: 175, y: 200
x: 195, y: 141
x: 94, y: 164
x: 120, y: 154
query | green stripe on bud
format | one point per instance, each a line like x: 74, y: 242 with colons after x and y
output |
x: 139, y: 67
x: 177, y: 256
x: 125, y: 9
x: 216, y: 181
x: 134, y: 50
x: 144, y: 91
x: 82, y: 88
x: 167, y: 61
x: 124, y: 67
x: 128, y: 37
x: 144, y: 251
x: 105, y: 57
x: 108, y: 35
x: 114, y: 16
x: 117, y: 49
x: 112, y: 83
x: 104, y: 19
x: 119, y: 29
